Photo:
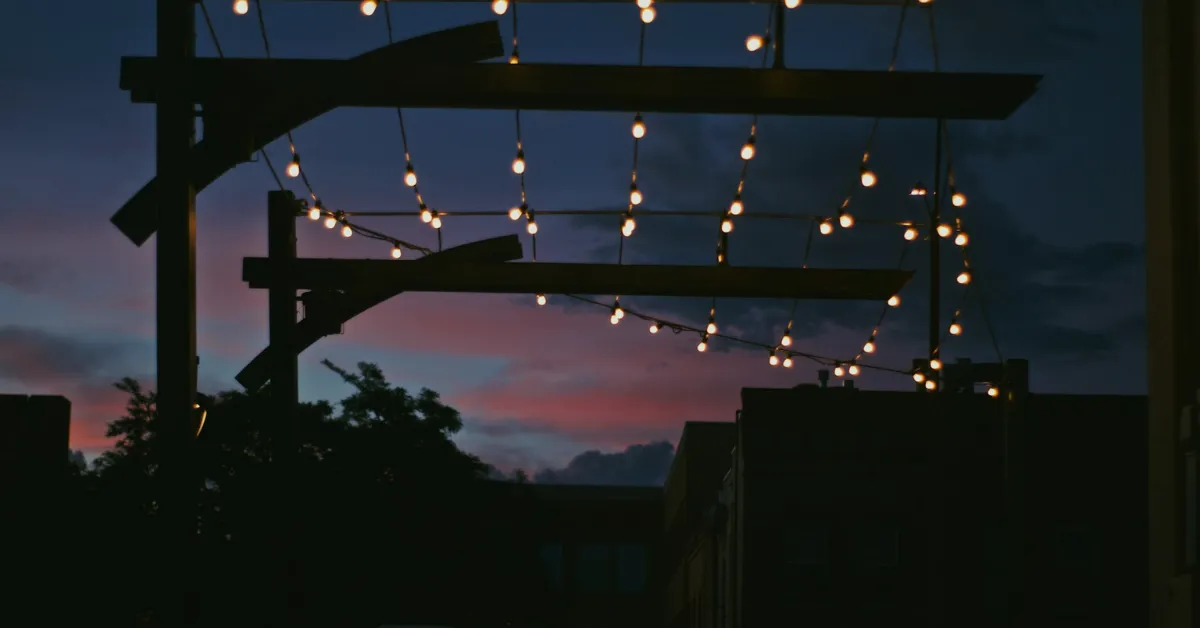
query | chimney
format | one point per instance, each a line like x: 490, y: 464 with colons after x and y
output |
x: 849, y: 384
x: 823, y: 377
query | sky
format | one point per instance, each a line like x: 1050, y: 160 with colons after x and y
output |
x: 1055, y: 216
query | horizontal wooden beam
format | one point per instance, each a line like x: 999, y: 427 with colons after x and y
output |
x: 558, y: 278
x: 853, y: 3
x: 570, y: 87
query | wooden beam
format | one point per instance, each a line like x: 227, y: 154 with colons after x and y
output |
x: 852, y: 3
x: 569, y: 87
x: 557, y: 278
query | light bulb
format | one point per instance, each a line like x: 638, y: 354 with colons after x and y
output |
x: 712, y: 328
x: 531, y: 227
x: 627, y: 231
x: 826, y: 227
x: 992, y: 391
x: 853, y: 369
x: 786, y: 341
x: 330, y: 222
x: 924, y: 1
x: 541, y: 299
x: 314, y: 213
x: 410, y: 176
x: 639, y: 127
x: 736, y: 207
x: 911, y: 234
x: 955, y: 329
x: 426, y: 215
x: 702, y: 347
x: 918, y: 377
x: 635, y: 195
x: 930, y: 384
x: 645, y: 4
x: 726, y: 226
x: 754, y: 42
x: 397, y: 252
x: 436, y: 223
x: 629, y: 224
x: 961, y: 239
x: 347, y: 231
x: 368, y: 7
x: 964, y: 277
x: 787, y: 362
x: 293, y: 167
x: 918, y: 190
x: 839, y: 371
x: 518, y: 164
x: 515, y: 213
x: 846, y: 220
x: 944, y: 230
x: 654, y: 328
x: 613, y: 319
x: 500, y: 7
x: 791, y: 4
x: 618, y: 312
x: 935, y: 364
x: 773, y: 360
x: 241, y: 7
x: 515, y: 59
x: 958, y: 199
x: 894, y: 300
x: 869, y: 347
x: 748, y: 149
x: 867, y: 178
x: 648, y: 14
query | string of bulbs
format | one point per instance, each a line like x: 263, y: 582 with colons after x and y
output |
x: 780, y: 353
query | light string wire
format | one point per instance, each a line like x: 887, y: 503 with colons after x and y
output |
x: 518, y: 164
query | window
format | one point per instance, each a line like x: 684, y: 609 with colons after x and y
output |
x: 594, y: 568
x: 551, y: 556
x: 873, y: 544
x: 631, y: 568
x: 806, y: 543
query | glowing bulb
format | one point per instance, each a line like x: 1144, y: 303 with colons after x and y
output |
x: 627, y: 231
x: 867, y: 178
x: 853, y: 369
x: 347, y: 231
x: 368, y: 7
x: 918, y: 190
x: 436, y: 223
x: 330, y: 222
x: 397, y: 252
x: 961, y: 239
x: 629, y: 224
x: 648, y: 14
x: 736, y: 207
x: 935, y: 364
x: 518, y: 164
x: 654, y: 328
x: 702, y: 347
x: 894, y: 300
x: 869, y: 347
x: 911, y: 234
x: 787, y: 362
x: 791, y: 4
x: 754, y: 42
x: 846, y: 220
x: 410, y: 176
x: 293, y: 167
x: 773, y: 360
x: 930, y: 384
x: 944, y: 230
x: 515, y: 58
x: 964, y: 277
x: 635, y: 195
x: 241, y: 7
x: 826, y: 227
x: 314, y: 213
x: 919, y: 377
x: 645, y: 4
x: 924, y: 1
x: 748, y: 149
x: 726, y: 225
x: 639, y: 127
x: 712, y: 328
x: 515, y: 213
x: 541, y: 299
x: 955, y: 329
x: 500, y: 7
x: 786, y: 341
x: 839, y: 371
x: 613, y: 319
x: 426, y: 215
x: 531, y: 227
x: 618, y: 312
x: 958, y: 199
x: 992, y: 391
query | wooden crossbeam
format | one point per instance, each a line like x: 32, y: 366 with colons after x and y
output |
x: 569, y: 87
x: 559, y: 278
x: 853, y: 3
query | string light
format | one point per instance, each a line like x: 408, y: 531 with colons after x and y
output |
x: 748, y: 149
x: 753, y: 44
x: 866, y: 176
x: 654, y: 327
x: 368, y: 7
x: 639, y: 127
x: 911, y: 234
x: 410, y: 175
x: 397, y: 252
x: 541, y: 299
x: 894, y: 300
x: 241, y: 7
x: 957, y: 199
x: 964, y: 277
x: 293, y: 167
x: 703, y: 346
x: 791, y: 4
x: 944, y: 230
x: 992, y: 391
x: 500, y: 7
x: 961, y: 238
x: 826, y: 227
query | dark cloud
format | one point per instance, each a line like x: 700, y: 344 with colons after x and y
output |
x: 638, y: 465
x: 34, y: 356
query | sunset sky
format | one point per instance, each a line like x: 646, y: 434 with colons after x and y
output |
x: 1055, y: 213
